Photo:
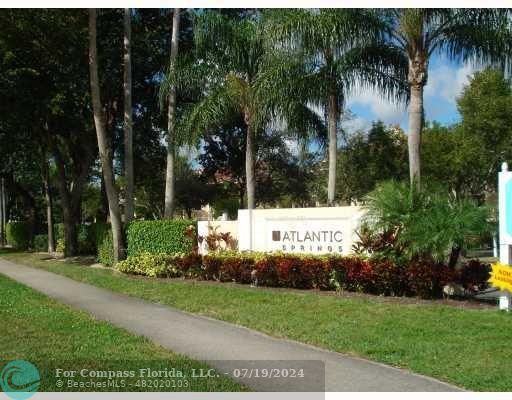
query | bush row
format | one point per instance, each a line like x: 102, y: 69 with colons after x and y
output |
x: 150, y: 237
x: 161, y: 237
x: 306, y: 272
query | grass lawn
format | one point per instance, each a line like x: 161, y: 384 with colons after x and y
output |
x: 50, y: 335
x: 470, y: 348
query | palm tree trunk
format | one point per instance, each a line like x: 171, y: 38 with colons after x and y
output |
x: 106, y: 162
x: 332, y: 116
x: 417, y: 78
x: 414, y: 137
x: 249, y: 166
x: 49, y: 209
x: 128, y: 123
x: 170, y: 178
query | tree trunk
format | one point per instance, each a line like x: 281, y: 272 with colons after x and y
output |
x: 170, y: 179
x: 241, y: 194
x: 49, y: 209
x: 417, y: 79
x: 128, y: 123
x: 332, y: 116
x: 106, y: 162
x: 103, y: 211
x: 249, y: 165
x: 454, y: 256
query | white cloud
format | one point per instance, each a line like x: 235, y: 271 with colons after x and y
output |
x: 447, y: 82
x: 378, y: 107
x: 356, y: 124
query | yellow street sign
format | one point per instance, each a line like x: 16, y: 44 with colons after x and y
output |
x: 501, y: 277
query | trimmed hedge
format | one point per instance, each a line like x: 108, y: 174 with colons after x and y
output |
x: 18, y: 235
x: 161, y: 237
x: 354, y: 273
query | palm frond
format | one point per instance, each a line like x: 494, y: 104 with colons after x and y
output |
x: 478, y: 35
x: 378, y: 66
x: 208, y: 114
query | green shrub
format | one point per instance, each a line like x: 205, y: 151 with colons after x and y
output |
x: 18, y: 235
x: 429, y: 223
x: 106, y: 250
x: 145, y: 264
x: 60, y: 246
x: 161, y: 237
x: 40, y: 243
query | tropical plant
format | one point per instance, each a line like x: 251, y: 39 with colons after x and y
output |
x: 428, y: 222
x: 462, y: 34
x: 228, y: 76
x: 327, y: 54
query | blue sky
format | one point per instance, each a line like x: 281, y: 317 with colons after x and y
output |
x: 445, y: 82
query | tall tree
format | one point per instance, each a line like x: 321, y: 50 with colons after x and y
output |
x: 49, y: 83
x: 335, y: 52
x: 479, y: 34
x: 170, y: 179
x: 228, y: 76
x: 128, y: 123
x: 45, y: 171
x: 105, y: 154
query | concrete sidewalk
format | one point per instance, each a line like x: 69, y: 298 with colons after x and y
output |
x: 216, y: 341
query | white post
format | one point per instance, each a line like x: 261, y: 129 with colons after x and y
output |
x: 505, y: 224
x: 505, y: 220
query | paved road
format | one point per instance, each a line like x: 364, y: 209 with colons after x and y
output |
x: 216, y: 341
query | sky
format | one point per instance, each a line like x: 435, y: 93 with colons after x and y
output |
x: 445, y: 82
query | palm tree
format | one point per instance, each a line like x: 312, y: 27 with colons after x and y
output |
x: 171, y: 116
x: 128, y: 124
x: 230, y: 58
x: 101, y: 133
x: 335, y: 52
x: 481, y: 35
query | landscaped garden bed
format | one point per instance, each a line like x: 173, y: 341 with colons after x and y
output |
x: 352, y: 273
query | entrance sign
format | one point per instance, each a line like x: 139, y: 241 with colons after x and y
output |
x: 318, y: 230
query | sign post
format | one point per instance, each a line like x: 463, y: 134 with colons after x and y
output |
x: 501, y: 275
x: 505, y: 213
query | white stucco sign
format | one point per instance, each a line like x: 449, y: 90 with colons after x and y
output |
x: 317, y: 230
